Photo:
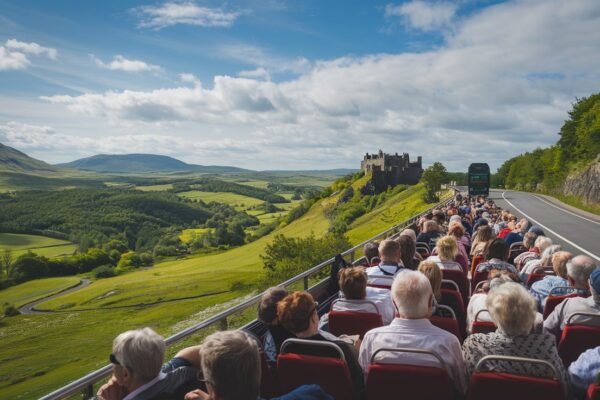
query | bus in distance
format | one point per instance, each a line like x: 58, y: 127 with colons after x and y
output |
x: 478, y: 179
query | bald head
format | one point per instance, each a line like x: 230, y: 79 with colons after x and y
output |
x: 579, y: 270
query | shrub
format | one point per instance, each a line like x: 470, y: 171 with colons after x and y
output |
x: 104, y: 271
x: 10, y: 310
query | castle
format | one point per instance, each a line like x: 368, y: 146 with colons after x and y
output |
x: 390, y: 170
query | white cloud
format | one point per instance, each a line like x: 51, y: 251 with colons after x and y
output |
x: 258, y: 73
x: 186, y: 13
x: 266, y: 64
x: 120, y: 63
x: 13, y: 54
x: 422, y: 15
x: 190, y: 78
x: 501, y: 84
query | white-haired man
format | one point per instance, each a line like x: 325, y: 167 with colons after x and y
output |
x: 582, y: 273
x: 413, y: 298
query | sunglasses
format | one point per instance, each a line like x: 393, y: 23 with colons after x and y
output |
x: 113, y: 359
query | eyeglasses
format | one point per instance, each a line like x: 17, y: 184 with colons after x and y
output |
x: 113, y: 359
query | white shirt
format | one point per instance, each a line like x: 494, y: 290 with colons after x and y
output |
x: 477, y: 303
x: 417, y: 334
x: 383, y: 274
x: 448, y: 265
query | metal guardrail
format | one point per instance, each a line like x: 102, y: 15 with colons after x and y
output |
x: 85, y: 384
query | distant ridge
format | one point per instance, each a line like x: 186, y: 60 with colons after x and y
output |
x: 15, y: 161
x: 132, y: 163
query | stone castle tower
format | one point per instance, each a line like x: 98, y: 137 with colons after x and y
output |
x: 390, y: 170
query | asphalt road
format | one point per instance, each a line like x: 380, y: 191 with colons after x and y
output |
x: 575, y: 230
x: 29, y: 308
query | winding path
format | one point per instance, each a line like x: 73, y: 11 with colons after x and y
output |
x: 29, y: 307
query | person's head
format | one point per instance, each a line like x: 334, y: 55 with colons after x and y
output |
x: 371, y: 250
x: 537, y: 230
x: 389, y: 251
x: 579, y: 269
x: 595, y: 285
x: 512, y: 308
x: 353, y: 283
x: 410, y: 233
x: 137, y: 357
x: 297, y: 313
x: 485, y: 233
x: 497, y: 277
x: 499, y: 249
x: 456, y: 229
x: 542, y: 243
x: 546, y: 257
x: 523, y: 226
x: 408, y: 247
x: 431, y: 270
x: 447, y: 248
x: 412, y: 295
x: 267, y: 308
x: 430, y: 226
x: 231, y: 365
x: 559, y: 263
x: 529, y: 240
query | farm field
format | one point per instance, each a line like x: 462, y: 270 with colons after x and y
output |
x: 239, y: 201
x: 42, y: 245
x: 36, y: 289
x: 155, y: 188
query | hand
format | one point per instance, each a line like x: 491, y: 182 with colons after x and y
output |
x: 197, y: 395
x: 111, y: 390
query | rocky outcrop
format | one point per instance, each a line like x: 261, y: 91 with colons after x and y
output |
x: 584, y: 184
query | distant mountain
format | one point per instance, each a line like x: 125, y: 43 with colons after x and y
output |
x: 132, y: 163
x: 14, y: 161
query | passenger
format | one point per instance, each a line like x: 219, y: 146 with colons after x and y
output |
x: 518, y: 233
x: 298, y: 314
x: 456, y: 229
x: 389, y: 266
x: 541, y: 289
x: 482, y: 239
x: 413, y: 297
x: 371, y: 252
x: 231, y: 369
x: 447, y: 252
x: 353, y: 285
x: 545, y: 261
x: 580, y: 269
x: 513, y: 310
x: 430, y: 233
x: 267, y: 314
x: 408, y: 252
x: 137, y: 357
x: 541, y: 244
x: 497, y: 254
x: 585, y: 371
x: 409, y: 232
x: 531, y: 253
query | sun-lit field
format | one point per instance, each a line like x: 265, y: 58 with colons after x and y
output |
x: 155, y: 188
x: 36, y: 289
x: 42, y: 245
x: 233, y: 199
x: 187, y: 235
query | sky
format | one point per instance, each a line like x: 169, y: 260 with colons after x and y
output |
x: 282, y: 84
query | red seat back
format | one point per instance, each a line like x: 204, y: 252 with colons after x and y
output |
x: 575, y: 340
x: 553, y: 301
x: 394, y: 381
x: 353, y: 322
x: 447, y: 324
x: 593, y: 392
x: 503, y: 386
x: 478, y: 276
x: 483, y: 327
x: 460, y: 279
x: 475, y: 262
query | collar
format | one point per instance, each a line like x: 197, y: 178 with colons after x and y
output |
x: 145, y: 386
x: 420, y: 322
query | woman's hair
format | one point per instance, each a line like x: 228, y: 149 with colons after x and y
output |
x: 431, y: 270
x: 559, y: 263
x: 267, y: 308
x: 512, y: 308
x: 141, y: 351
x: 542, y: 243
x: 430, y: 226
x: 546, y: 257
x: 485, y: 233
x: 295, y: 311
x: 447, y: 248
x: 231, y: 364
x: 408, y: 247
x: 353, y: 283
x: 529, y: 240
x: 498, y: 277
x: 456, y: 229
x: 498, y: 248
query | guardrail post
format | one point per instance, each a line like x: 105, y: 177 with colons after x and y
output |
x: 306, y: 283
x: 223, y: 325
x: 352, y: 257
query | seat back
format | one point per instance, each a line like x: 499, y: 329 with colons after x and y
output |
x: 478, y: 276
x: 331, y: 373
x: 482, y: 326
x: 423, y: 249
x: 515, y: 249
x: 475, y: 262
x: 577, y: 338
x: 593, y: 392
x: 538, y: 274
x: 460, y: 279
x: 553, y: 301
x: 449, y: 324
x: 354, y: 322
x: 393, y: 381
x: 502, y: 386
x: 454, y: 300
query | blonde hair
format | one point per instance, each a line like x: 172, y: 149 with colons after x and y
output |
x: 559, y: 263
x: 512, y: 308
x: 141, y: 351
x: 447, y: 248
x: 433, y: 272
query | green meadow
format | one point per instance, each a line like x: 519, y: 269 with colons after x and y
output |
x: 233, y: 199
x: 36, y: 289
x: 42, y: 245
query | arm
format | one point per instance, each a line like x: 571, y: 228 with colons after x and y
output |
x: 190, y: 354
x: 111, y: 390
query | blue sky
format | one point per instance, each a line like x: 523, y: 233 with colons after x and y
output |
x: 293, y: 84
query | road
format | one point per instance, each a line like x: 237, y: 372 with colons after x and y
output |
x: 29, y: 307
x: 575, y: 230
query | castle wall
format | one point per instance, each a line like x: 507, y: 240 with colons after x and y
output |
x: 391, y: 170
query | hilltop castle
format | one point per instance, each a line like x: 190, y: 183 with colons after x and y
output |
x: 390, y: 170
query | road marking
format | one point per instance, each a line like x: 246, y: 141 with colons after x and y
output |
x: 565, y: 210
x: 550, y: 230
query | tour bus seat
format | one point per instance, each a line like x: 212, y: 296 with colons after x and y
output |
x: 593, y: 392
x: 454, y: 300
x: 445, y: 318
x: 515, y: 249
x: 553, y: 301
x: 475, y: 262
x: 354, y: 322
x: 482, y: 326
x: 577, y: 338
x: 460, y: 279
x: 478, y: 276
x: 538, y: 274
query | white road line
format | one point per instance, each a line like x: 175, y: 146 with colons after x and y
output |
x: 550, y: 230
x: 565, y: 210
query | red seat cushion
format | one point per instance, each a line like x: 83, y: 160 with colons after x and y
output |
x: 503, y: 386
x: 396, y: 381
x: 483, y: 327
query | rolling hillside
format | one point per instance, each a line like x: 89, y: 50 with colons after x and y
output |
x: 16, y: 161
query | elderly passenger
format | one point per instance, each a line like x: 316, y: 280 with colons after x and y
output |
x: 541, y: 243
x: 582, y: 269
x: 267, y: 314
x: 541, y: 289
x: 532, y: 252
x: 513, y: 310
x: 447, y: 251
x: 413, y: 297
x: 544, y: 261
x: 497, y: 254
x: 137, y: 358
x: 360, y: 298
x: 430, y: 233
x: 390, y: 265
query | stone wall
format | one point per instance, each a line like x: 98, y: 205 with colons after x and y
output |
x: 585, y: 184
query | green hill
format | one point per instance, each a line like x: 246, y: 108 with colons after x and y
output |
x: 16, y: 161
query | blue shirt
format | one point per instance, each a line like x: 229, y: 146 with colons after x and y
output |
x: 541, y: 289
x: 584, y: 370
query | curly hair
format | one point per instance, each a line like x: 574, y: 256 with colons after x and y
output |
x: 295, y: 311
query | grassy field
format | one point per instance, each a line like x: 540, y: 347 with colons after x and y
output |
x: 33, y: 290
x: 42, y: 245
x: 237, y: 200
x: 187, y: 235
x: 155, y: 188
